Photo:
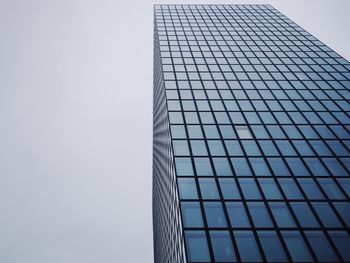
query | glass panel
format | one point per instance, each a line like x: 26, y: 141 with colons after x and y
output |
x: 237, y: 214
x: 243, y: 132
x: 229, y: 188
x: 342, y: 242
x: 222, y: 167
x: 215, y: 214
x: 183, y: 166
x: 269, y: 188
x: 249, y: 188
x: 197, y: 246
x: 259, y: 214
x: 304, y: 215
x: 290, y: 188
x: 241, y: 167
x: 272, y: 247
x: 321, y: 246
x: 208, y: 188
x: 222, y: 246
x: 203, y: 167
x: 282, y: 215
x: 191, y: 214
x: 248, y: 249
x: 326, y: 214
x: 296, y: 246
x: 187, y: 188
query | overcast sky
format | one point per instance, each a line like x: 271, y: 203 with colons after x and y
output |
x: 76, y: 124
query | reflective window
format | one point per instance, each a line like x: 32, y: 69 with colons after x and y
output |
x: 222, y: 246
x: 248, y: 249
x: 191, y: 214
x: 197, y: 246
x: 272, y: 247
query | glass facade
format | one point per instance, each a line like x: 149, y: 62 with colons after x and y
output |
x: 251, y: 138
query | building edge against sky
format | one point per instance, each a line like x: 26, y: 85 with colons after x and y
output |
x: 253, y: 112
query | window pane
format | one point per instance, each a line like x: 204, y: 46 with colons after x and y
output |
x: 342, y: 242
x: 208, y: 188
x: 222, y: 167
x: 259, y: 214
x: 304, y: 215
x: 321, y: 247
x: 282, y: 215
x: 187, y: 188
x: 229, y: 188
x: 269, y: 188
x: 237, y: 214
x: 272, y: 247
x: 203, y: 167
x: 326, y: 214
x: 197, y: 246
x: 249, y: 188
x: 296, y: 246
x: 241, y: 167
x: 215, y: 214
x: 259, y: 167
x: 248, y: 249
x: 222, y: 246
x: 183, y: 166
x: 191, y: 214
x: 290, y: 188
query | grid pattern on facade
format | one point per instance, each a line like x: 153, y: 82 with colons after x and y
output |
x: 167, y: 234
x: 260, y: 130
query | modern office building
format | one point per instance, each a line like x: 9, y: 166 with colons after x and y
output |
x: 251, y: 138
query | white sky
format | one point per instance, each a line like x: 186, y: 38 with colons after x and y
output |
x: 76, y: 124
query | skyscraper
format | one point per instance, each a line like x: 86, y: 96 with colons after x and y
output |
x: 251, y: 138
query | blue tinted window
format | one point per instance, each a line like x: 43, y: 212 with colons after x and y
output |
x: 342, y: 242
x: 331, y: 189
x: 197, y: 246
x: 290, y: 188
x: 237, y: 214
x: 187, y: 188
x: 321, y: 247
x: 270, y: 188
x: 316, y: 167
x: 211, y: 132
x: 278, y: 167
x: 240, y: 166
x: 249, y: 188
x: 203, y: 167
x: 191, y: 214
x: 227, y: 132
x: 296, y: 246
x: 181, y: 147
x: 326, y: 214
x: 286, y: 148
x: 260, y: 132
x: 304, y: 215
x: 216, y: 148
x: 178, y: 131
x: 234, y: 148
x: 335, y: 167
x: 268, y: 148
x: 297, y: 167
x: 320, y: 148
x: 251, y: 148
x: 198, y: 148
x: 310, y: 189
x: 281, y: 214
x: 222, y: 246
x: 229, y: 188
x: 183, y: 166
x: 222, y: 167
x: 344, y: 211
x: 259, y: 167
x: 248, y: 249
x: 272, y: 247
x: 215, y: 214
x: 194, y: 131
x: 259, y: 214
x: 208, y: 188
